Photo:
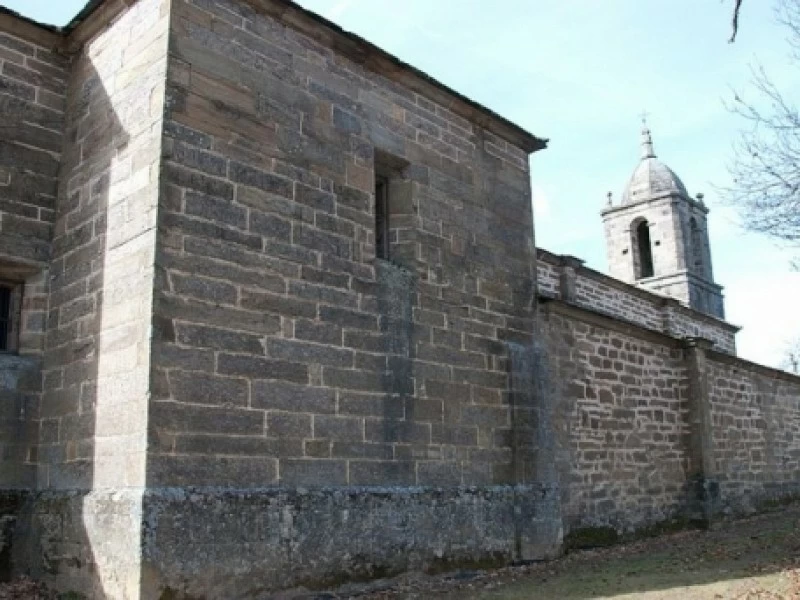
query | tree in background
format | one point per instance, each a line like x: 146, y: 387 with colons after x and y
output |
x: 765, y: 167
x: 791, y: 358
x: 737, y: 5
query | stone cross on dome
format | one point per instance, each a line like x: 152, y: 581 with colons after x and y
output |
x: 647, y: 140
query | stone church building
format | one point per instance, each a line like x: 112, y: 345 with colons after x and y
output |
x: 271, y: 315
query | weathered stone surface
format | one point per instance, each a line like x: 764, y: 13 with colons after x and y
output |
x: 332, y: 534
x: 217, y: 336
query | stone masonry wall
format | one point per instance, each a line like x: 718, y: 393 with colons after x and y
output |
x: 32, y: 87
x: 33, y: 82
x: 92, y: 430
x: 97, y: 358
x: 20, y: 393
x: 287, y: 353
x: 226, y: 362
x: 755, y: 415
x: 683, y: 323
x: 649, y: 428
x: 620, y: 420
x: 598, y: 292
x: 319, y: 538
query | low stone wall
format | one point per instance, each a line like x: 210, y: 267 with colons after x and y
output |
x: 650, y: 428
x: 220, y: 543
x: 619, y: 417
x: 755, y: 415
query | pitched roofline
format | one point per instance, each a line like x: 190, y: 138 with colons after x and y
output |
x: 12, y: 13
x: 351, y: 45
x: 84, y: 13
x: 33, y: 31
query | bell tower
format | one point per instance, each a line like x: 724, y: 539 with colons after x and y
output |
x: 657, y: 236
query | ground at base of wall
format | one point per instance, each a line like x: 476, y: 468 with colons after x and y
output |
x: 746, y: 559
x: 24, y: 587
x: 756, y: 558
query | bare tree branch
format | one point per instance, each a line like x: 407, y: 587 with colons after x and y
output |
x: 791, y: 358
x: 765, y: 167
x: 735, y: 23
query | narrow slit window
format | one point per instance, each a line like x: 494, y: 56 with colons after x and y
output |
x: 382, y: 242
x: 697, y: 246
x: 6, y: 314
x: 645, y: 250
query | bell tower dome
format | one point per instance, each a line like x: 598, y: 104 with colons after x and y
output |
x: 657, y: 236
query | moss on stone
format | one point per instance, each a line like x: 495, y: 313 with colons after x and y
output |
x: 584, y: 538
x: 665, y: 527
x: 493, y: 560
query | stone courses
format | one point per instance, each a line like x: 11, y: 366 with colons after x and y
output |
x: 547, y: 277
x: 605, y: 298
x: 20, y: 394
x: 597, y: 292
x: 225, y: 359
x: 756, y: 433
x: 33, y: 83
x: 96, y: 357
x: 32, y: 97
x: 336, y: 368
x: 621, y: 421
x: 96, y: 352
x: 683, y: 323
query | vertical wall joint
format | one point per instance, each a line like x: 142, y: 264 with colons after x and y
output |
x: 702, y: 480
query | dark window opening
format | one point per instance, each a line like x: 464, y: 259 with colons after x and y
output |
x: 5, y: 317
x: 382, y: 241
x: 394, y: 210
x: 645, y: 250
x: 697, y: 246
x: 10, y: 296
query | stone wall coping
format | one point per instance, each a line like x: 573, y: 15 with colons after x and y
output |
x: 96, y: 15
x: 609, y: 321
x: 656, y: 299
x: 746, y: 365
x: 619, y: 325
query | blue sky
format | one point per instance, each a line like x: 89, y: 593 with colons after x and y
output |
x: 580, y: 72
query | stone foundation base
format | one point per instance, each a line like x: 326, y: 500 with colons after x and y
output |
x: 84, y: 542
x: 226, y: 544
x: 219, y: 543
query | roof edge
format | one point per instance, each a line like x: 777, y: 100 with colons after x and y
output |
x: 29, y: 29
x: 84, y: 13
x: 371, y: 56
x: 347, y: 43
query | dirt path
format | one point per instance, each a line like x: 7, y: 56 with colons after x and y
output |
x: 749, y: 559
